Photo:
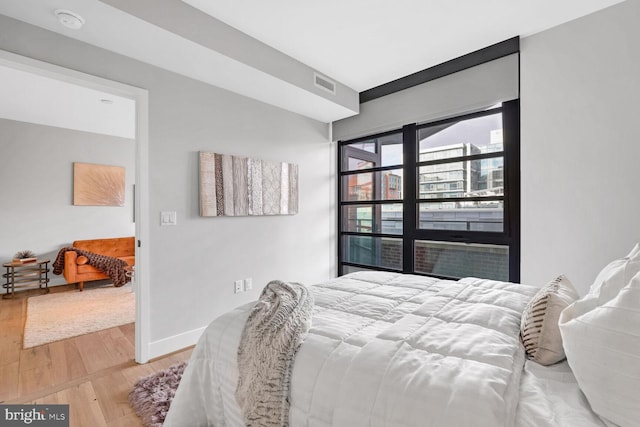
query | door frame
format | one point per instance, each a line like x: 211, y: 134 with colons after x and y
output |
x: 141, y: 98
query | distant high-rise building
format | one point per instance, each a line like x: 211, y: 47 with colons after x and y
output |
x: 447, y: 180
x: 492, y: 170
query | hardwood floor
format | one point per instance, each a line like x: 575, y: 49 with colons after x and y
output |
x: 92, y: 373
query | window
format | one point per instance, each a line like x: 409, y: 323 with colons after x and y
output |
x: 436, y: 198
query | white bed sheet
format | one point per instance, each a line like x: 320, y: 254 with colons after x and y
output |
x: 551, y: 397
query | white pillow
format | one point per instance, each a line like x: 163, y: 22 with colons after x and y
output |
x: 615, y: 276
x: 602, y: 344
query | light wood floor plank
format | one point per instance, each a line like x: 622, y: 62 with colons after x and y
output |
x: 93, y: 352
x: 134, y: 372
x: 50, y: 399
x: 10, y: 375
x: 10, y: 344
x: 84, y: 409
x: 129, y: 331
x: 59, y: 364
x: 171, y: 359
x: 35, y: 369
x: 11, y: 308
x: 34, y: 357
x: 113, y: 392
x: 118, y: 346
x: 130, y: 420
x: 66, y: 362
x: 35, y: 379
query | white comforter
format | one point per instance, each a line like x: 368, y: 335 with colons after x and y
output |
x: 384, y: 349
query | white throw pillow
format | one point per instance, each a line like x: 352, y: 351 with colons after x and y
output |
x: 615, y: 276
x: 602, y: 344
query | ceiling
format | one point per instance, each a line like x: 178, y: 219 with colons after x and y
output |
x: 32, y: 98
x: 366, y: 43
x: 358, y: 43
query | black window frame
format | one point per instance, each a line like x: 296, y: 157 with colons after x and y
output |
x: 510, y: 236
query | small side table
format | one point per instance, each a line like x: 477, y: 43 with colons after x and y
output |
x: 21, y: 275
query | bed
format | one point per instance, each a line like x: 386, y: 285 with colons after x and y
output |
x: 388, y: 349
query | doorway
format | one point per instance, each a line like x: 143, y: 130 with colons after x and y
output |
x: 140, y: 205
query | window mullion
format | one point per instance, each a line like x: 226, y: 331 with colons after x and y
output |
x: 340, y: 166
x: 511, y: 119
x: 410, y: 153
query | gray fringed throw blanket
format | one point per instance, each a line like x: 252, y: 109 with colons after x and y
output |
x: 112, y: 267
x: 273, y: 332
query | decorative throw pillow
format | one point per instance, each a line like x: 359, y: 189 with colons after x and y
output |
x: 539, y: 330
x: 602, y: 344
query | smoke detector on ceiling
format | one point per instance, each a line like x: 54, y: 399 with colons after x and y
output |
x: 69, y: 19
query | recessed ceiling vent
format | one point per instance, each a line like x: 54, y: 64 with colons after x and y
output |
x: 324, y: 83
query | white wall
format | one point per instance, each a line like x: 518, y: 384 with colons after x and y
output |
x: 194, y: 264
x: 36, y: 195
x: 580, y: 86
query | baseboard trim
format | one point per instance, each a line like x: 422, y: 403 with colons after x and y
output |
x: 174, y: 343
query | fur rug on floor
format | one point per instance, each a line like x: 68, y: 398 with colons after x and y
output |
x: 151, y: 396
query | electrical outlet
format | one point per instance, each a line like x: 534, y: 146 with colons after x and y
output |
x: 237, y: 286
x: 248, y: 284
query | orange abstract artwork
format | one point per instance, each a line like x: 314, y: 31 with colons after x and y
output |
x: 98, y: 185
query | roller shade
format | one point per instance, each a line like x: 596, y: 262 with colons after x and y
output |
x: 468, y: 90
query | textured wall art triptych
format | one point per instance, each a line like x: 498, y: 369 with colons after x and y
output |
x: 239, y: 186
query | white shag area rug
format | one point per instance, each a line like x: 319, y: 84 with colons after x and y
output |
x: 56, y: 316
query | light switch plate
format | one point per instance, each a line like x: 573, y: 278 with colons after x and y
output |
x: 168, y: 218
